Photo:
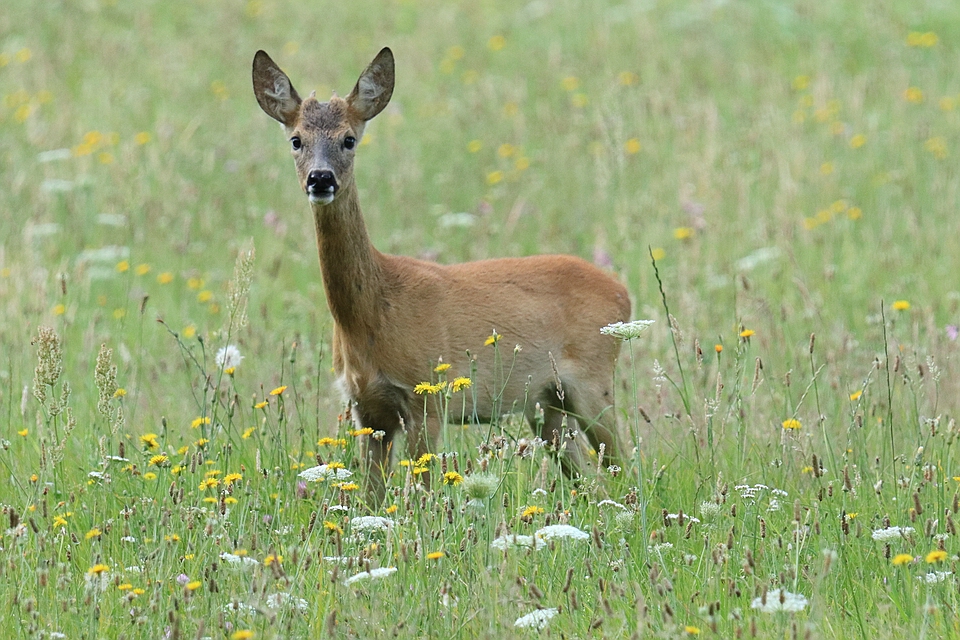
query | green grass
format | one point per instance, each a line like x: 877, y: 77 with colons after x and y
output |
x: 792, y: 166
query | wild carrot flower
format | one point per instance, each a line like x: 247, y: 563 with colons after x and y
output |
x: 626, y: 330
x: 373, y: 574
x: 559, y: 531
x: 536, y: 619
x: 779, y: 600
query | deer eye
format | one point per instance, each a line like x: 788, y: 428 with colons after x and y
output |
x: 296, y: 143
x: 349, y: 142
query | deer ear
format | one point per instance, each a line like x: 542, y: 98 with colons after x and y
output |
x: 274, y: 91
x: 374, y: 88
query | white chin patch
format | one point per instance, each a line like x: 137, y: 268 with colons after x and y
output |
x: 326, y: 198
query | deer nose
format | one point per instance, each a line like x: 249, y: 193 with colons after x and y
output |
x: 321, y: 182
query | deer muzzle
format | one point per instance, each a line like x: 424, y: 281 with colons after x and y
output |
x: 321, y: 186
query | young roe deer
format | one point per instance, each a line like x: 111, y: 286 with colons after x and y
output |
x: 395, y: 317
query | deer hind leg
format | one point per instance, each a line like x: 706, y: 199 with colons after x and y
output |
x: 384, y: 408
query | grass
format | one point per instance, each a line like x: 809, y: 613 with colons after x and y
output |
x: 789, y: 166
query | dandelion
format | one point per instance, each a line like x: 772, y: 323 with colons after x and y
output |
x: 193, y: 585
x: 858, y: 141
x: 560, y: 531
x: 270, y: 559
x: 149, y: 476
x: 494, y: 338
x: 780, y: 600
x: 632, y: 146
x: 242, y: 634
x: 123, y: 266
x: 98, y: 569
x: 228, y: 357
x: 496, y: 43
x: 159, y: 460
x: 683, y: 233
x: 747, y: 333
x: 230, y: 478
x: 435, y: 555
x: 261, y: 405
x: 913, y: 95
x: 356, y: 433
x: 937, y: 555
x: 59, y: 521
x: 627, y: 78
x: 901, y: 559
x: 93, y: 533
x: 537, y: 619
x: 440, y: 368
x: 901, y: 305
x: 474, y: 146
x: 494, y: 177
x: 373, y: 574
x: 937, y: 146
x: 427, y: 388
x: 529, y: 512
x: 452, y: 477
x: 791, y: 423
x: 460, y: 384
x: 208, y: 483
x: 278, y: 391
x: 199, y: 421
x: 626, y: 330
x: 691, y: 630
x: 23, y: 433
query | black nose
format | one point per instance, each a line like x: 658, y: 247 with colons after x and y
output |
x: 321, y: 182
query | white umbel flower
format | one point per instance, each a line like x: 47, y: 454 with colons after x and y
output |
x: 370, y: 523
x: 373, y: 574
x: 556, y: 531
x: 626, y: 330
x: 891, y: 533
x: 228, y: 357
x: 537, y: 619
x: 324, y: 472
x: 778, y: 600
x: 239, y: 561
x: 512, y: 540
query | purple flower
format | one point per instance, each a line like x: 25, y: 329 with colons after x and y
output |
x: 952, y: 331
x: 183, y: 579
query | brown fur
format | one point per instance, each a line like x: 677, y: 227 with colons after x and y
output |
x: 395, y: 317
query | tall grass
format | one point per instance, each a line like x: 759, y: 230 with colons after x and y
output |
x: 789, y: 166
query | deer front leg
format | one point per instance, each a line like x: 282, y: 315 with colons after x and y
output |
x: 384, y: 408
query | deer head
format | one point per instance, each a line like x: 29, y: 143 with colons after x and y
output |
x: 323, y: 135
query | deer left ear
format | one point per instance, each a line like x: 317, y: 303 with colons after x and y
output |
x: 374, y: 88
x: 274, y: 91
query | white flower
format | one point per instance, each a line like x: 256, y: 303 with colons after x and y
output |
x: 98, y: 475
x: 232, y: 607
x: 935, y: 577
x: 513, y: 540
x: 709, y: 509
x: 228, y: 357
x: 128, y: 539
x: 626, y: 330
x: 278, y: 600
x: 663, y: 546
x: 612, y: 503
x: 323, y: 472
x: 373, y: 574
x: 778, y: 600
x: 891, y: 533
x: 536, y: 619
x: 676, y: 516
x: 555, y: 531
x: 230, y: 558
x: 370, y: 523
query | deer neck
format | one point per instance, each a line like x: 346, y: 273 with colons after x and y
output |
x: 349, y: 264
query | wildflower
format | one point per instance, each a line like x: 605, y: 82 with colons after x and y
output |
x: 937, y: 555
x: 324, y: 471
x: 632, y: 146
x: 425, y: 459
x: 435, y: 555
x: 93, y: 533
x: 691, y: 630
x: 858, y: 141
x: 201, y: 443
x: 718, y: 348
x: 98, y: 569
x: 278, y: 391
x: 348, y: 486
x: 199, y: 421
x: 627, y: 78
x: 901, y: 559
x: 165, y: 278
x: 626, y: 330
x: 536, y: 619
x: 150, y: 475
x: 791, y: 423
x: 494, y: 177
x: 747, y: 333
x: 460, y: 383
x: 159, y: 460
x: 242, y: 634
x: 238, y: 560
x: 120, y: 392
x: 373, y: 574
x: 391, y: 509
x: 370, y: 523
x: 496, y: 43
x: 427, y: 388
x: 193, y: 585
x: 901, y: 305
x: 778, y: 600
x: 452, y: 477
x: 559, y: 531
x: 228, y: 357
x: 683, y: 233
x: 59, y: 521
x: 123, y: 266
x: 913, y: 94
x: 23, y: 433
x: 270, y: 559
x: 935, y: 577
x: 248, y: 432
x: 529, y: 512
x: 480, y: 486
x: 474, y: 146
x: 936, y: 146
x: 891, y: 533
x: 260, y: 405
x: 856, y: 395
x: 230, y: 478
x: 493, y: 339
x: 208, y: 483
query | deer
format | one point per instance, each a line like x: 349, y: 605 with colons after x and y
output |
x: 396, y: 317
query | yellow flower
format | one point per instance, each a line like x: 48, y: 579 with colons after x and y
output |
x: 194, y: 585
x: 913, y: 94
x: 59, y: 309
x: 460, y: 383
x: 858, y: 141
x: 199, y: 421
x: 531, y: 511
x: 356, y: 433
x: 492, y: 339
x: 204, y: 296
x: 23, y: 433
x: 230, y: 500
x: 683, y: 233
x: 632, y: 146
x: 149, y: 440
x: 425, y: 459
x: 278, y: 391
x: 452, y: 477
x: 201, y: 443
x: 826, y: 168
x: 142, y: 269
x: 209, y: 483
x: 348, y: 486
x: 230, y: 478
x: 150, y: 475
x: 443, y: 366
x: 159, y: 460
x: 391, y: 509
x: 336, y: 465
x: 97, y: 569
x: 746, y: 333
x: 93, y: 533
x: 126, y: 586
x: 718, y: 348
x: 496, y: 43
x: 189, y: 331
x: 691, y: 630
x: 165, y: 278
x: 119, y: 393
x: 570, y: 83
x: 142, y: 138
x: 260, y: 405
x: 242, y: 634
x: 791, y: 423
x: 427, y: 388
x: 248, y: 432
x: 435, y: 555
x: 855, y: 395
x: 474, y: 145
x: 123, y: 266
x: 494, y: 177
x: 627, y: 78
x: 332, y: 527
x: 937, y: 146
x: 936, y: 555
x: 901, y: 305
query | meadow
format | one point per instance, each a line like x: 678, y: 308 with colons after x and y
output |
x: 775, y: 182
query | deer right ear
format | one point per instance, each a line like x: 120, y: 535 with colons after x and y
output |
x: 374, y: 88
x: 274, y: 91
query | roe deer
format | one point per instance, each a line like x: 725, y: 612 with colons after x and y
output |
x: 395, y: 317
